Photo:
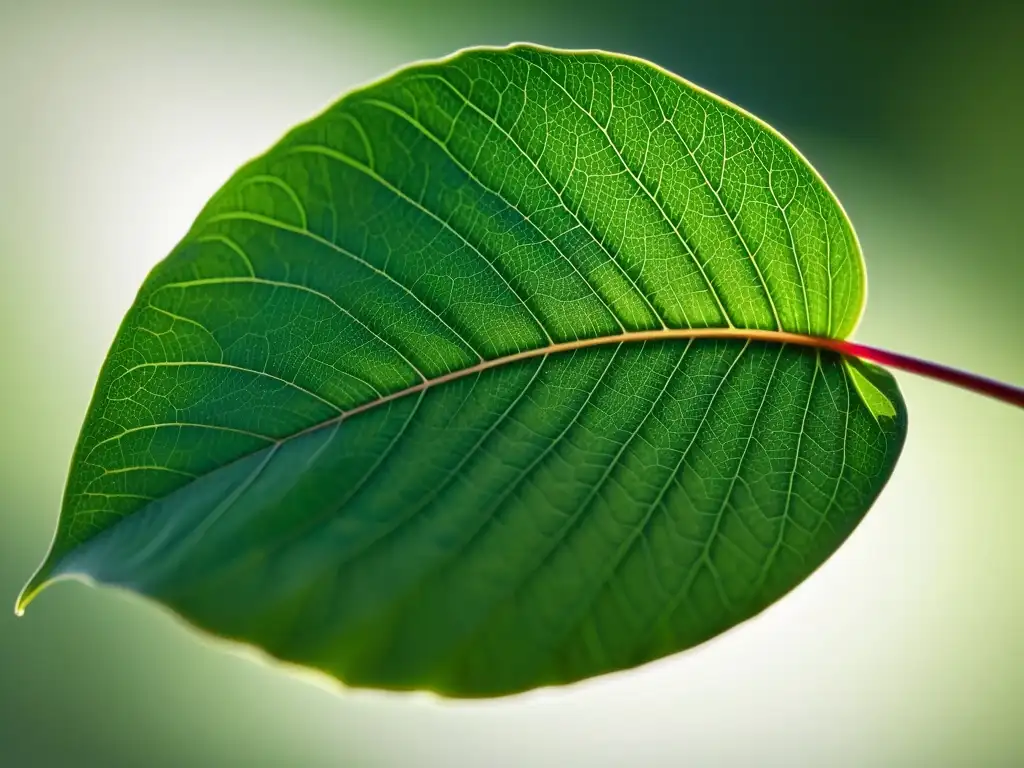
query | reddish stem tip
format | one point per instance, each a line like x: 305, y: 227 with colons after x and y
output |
x: 1008, y: 393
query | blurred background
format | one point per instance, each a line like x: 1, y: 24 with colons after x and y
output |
x: 119, y: 120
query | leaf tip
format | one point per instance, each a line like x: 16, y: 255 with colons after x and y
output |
x: 24, y: 598
x: 40, y: 580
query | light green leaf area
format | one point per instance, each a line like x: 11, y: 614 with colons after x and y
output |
x: 426, y: 398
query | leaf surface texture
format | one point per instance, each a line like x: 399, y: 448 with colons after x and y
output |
x: 388, y: 409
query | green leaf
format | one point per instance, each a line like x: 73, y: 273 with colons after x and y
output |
x: 474, y: 383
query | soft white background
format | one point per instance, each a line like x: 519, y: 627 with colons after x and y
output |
x: 904, y: 649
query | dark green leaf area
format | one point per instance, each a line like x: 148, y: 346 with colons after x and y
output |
x: 532, y: 524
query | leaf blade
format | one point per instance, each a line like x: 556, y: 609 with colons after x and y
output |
x: 430, y: 230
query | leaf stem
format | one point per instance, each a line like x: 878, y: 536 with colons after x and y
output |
x: 1008, y: 393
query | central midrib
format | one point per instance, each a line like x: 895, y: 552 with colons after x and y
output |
x: 629, y: 337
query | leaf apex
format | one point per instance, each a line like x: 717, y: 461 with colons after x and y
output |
x: 40, y: 580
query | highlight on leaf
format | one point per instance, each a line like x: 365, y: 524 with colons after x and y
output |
x: 508, y: 370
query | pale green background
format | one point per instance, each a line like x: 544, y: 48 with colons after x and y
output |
x: 117, y: 121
